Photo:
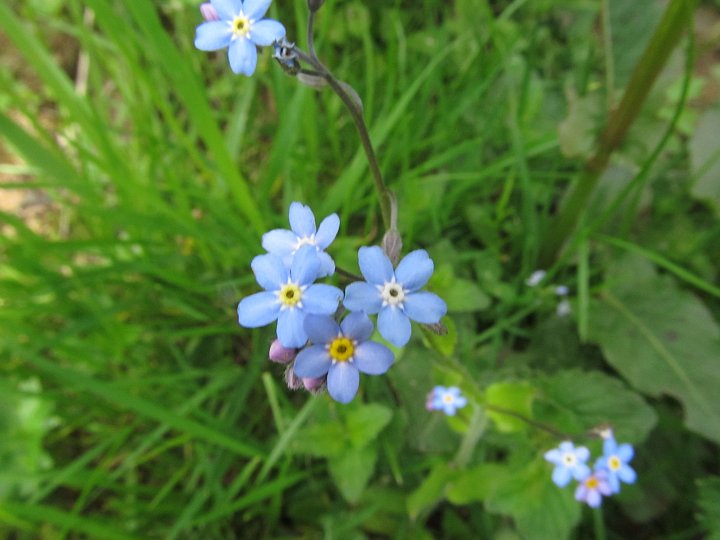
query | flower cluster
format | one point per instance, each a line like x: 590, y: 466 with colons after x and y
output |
x: 447, y: 400
x: 323, y: 351
x: 563, y: 307
x: 603, y: 479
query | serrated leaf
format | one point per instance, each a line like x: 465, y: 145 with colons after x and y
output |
x: 365, y: 422
x: 664, y: 341
x: 431, y: 490
x: 575, y: 401
x: 351, y: 471
x: 516, y: 397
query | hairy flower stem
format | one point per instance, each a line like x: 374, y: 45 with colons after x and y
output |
x: 661, y: 45
x: 356, y: 112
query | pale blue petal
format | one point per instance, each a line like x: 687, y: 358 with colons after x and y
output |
x: 357, y: 326
x: 567, y: 446
x: 609, y: 446
x: 593, y: 498
x: 460, y: 402
x: 394, y: 326
x: 327, y: 265
x: 614, y: 483
x: 242, y: 55
x: 212, y: 35
x: 361, y: 296
x: 343, y: 381
x: 580, y: 472
x: 582, y: 453
x: 227, y: 9
x: 321, y: 329
x: 553, y: 456
x: 625, y: 452
x: 255, y: 9
x: 280, y: 242
x: 302, y: 220
x: 321, y: 299
x: 374, y: 265
x: 258, y: 309
x: 424, y: 307
x: 414, y: 270
x: 266, y: 32
x: 270, y: 272
x: 327, y: 231
x: 305, y: 265
x: 449, y: 409
x: 373, y: 358
x: 312, y: 362
x: 561, y: 476
x: 290, y: 330
x: 627, y: 474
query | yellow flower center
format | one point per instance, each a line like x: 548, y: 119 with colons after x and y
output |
x: 592, y: 483
x: 614, y: 463
x: 341, y: 349
x: 290, y: 295
x: 448, y: 398
x: 240, y: 26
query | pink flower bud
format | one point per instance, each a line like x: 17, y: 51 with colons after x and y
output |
x: 312, y: 383
x: 280, y: 354
x: 293, y: 381
x: 208, y: 12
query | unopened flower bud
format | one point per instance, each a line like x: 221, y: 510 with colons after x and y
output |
x: 208, y: 12
x: 280, y: 354
x: 392, y: 245
x: 313, y: 383
x: 314, y: 5
x: 293, y: 381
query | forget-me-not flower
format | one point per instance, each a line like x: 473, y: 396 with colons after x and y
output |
x: 448, y: 400
x: 285, y: 244
x: 569, y: 463
x: 615, y: 461
x: 395, y: 295
x: 289, y: 296
x: 342, y: 352
x: 592, y: 488
x: 241, y: 28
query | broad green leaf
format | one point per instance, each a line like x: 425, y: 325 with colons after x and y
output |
x: 709, y: 502
x: 464, y: 295
x: 352, y: 470
x: 575, y: 401
x: 321, y: 440
x: 705, y: 159
x: 515, y: 397
x: 365, y: 422
x: 476, y: 483
x: 663, y: 340
x: 431, y: 490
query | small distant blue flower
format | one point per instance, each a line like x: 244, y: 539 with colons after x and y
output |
x: 592, y: 488
x: 285, y: 244
x: 535, y: 278
x: 241, y: 28
x: 561, y: 290
x: 614, y: 462
x: 395, y: 295
x: 448, y: 400
x: 569, y: 463
x: 342, y: 352
x: 289, y: 296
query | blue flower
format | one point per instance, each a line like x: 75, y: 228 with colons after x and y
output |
x: 289, y: 296
x: 447, y: 400
x: 614, y: 462
x: 239, y: 27
x: 569, y: 463
x: 285, y: 244
x: 341, y: 352
x: 592, y: 488
x: 396, y: 296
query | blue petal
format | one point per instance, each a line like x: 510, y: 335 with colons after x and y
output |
x: 374, y: 265
x: 553, y: 456
x: 460, y: 402
x: 290, y: 330
x: 373, y: 358
x: 280, y: 242
x: 357, y: 326
x: 321, y: 299
x: 321, y: 329
x: 582, y: 453
x: 567, y: 446
x: 305, y: 265
x: 627, y: 474
x: 614, y: 483
x: 414, y: 270
x: 227, y: 9
x: 593, y: 498
x: 449, y: 409
x: 266, y: 32
x: 424, y: 307
x: 580, y: 472
x: 625, y: 452
x: 270, y: 272
x: 361, y: 296
x: 327, y: 265
x: 343, y: 381
x: 327, y: 231
x: 609, y: 446
x: 302, y: 220
x: 212, y: 35
x: 311, y: 362
x: 255, y: 9
x: 394, y: 326
x: 242, y: 55
x: 561, y: 476
x: 258, y: 309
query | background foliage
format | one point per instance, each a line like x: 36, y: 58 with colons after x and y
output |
x: 138, y: 175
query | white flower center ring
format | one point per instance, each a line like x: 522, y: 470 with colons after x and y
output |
x: 240, y: 26
x: 392, y: 293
